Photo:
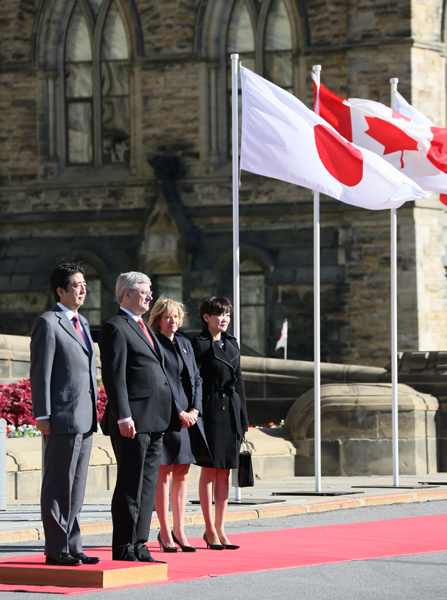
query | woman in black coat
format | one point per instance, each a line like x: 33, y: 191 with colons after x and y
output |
x: 224, y: 413
x: 188, y: 445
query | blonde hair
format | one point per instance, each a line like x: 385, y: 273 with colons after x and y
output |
x: 168, y: 305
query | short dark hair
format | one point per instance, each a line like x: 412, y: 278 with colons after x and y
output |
x: 214, y: 305
x: 61, y: 275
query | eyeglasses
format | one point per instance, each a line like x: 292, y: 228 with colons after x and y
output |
x: 142, y: 293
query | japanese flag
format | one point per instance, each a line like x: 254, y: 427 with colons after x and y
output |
x: 283, y: 139
x: 405, y: 138
x: 282, y: 340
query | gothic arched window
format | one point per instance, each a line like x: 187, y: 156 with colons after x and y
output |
x: 97, y: 114
x: 252, y: 283
x: 266, y: 35
x: 278, y: 46
x: 79, y: 90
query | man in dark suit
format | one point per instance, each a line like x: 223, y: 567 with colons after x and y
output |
x: 138, y: 411
x: 64, y: 394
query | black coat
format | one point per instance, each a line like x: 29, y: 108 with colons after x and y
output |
x: 134, y: 378
x: 172, y: 441
x: 224, y: 409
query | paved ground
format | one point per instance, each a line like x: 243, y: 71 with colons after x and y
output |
x: 21, y: 520
x: 407, y: 577
x: 400, y: 578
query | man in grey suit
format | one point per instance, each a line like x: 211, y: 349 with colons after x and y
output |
x: 64, y: 394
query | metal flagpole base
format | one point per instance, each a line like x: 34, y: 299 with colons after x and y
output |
x: 246, y: 501
x: 304, y: 493
x: 432, y: 483
x: 398, y: 487
x: 254, y: 501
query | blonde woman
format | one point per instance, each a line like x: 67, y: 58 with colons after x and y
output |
x: 180, y: 448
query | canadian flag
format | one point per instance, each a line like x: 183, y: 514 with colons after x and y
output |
x: 435, y: 183
x: 404, y: 138
x: 283, y: 139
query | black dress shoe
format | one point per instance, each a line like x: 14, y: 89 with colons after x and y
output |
x: 87, y: 560
x: 63, y: 559
x: 130, y: 556
x: 151, y: 560
x: 144, y: 555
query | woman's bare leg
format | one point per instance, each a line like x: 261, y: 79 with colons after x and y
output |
x: 162, y: 504
x: 206, y: 485
x: 179, y: 490
x: 221, y: 489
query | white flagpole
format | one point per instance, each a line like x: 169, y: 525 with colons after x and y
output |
x: 394, y: 373
x: 235, y: 149
x: 317, y: 370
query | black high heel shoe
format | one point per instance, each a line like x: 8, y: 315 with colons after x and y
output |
x: 230, y: 546
x: 212, y: 546
x: 184, y: 548
x: 165, y: 548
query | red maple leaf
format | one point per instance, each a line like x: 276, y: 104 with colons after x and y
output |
x: 437, y: 153
x: 390, y: 136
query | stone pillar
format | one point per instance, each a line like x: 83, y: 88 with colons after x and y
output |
x: 213, y: 117
x: 2, y: 464
x: 51, y: 120
x: 356, y: 430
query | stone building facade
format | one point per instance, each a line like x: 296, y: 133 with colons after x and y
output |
x: 114, y: 127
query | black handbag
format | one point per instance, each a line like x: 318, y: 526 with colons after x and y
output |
x: 245, y: 475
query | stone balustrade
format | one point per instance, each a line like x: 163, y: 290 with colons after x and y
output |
x: 356, y: 418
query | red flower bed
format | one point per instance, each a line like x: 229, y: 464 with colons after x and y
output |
x: 16, y: 405
x: 102, y: 401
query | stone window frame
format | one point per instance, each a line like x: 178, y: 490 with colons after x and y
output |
x: 49, y: 38
x: 265, y: 267
x: 83, y: 256
x: 210, y: 44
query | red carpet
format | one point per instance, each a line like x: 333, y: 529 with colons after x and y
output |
x: 286, y: 548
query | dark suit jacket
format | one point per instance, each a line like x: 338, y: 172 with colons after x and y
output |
x: 134, y: 378
x: 63, y: 373
x: 187, y: 355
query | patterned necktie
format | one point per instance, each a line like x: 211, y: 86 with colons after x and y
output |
x: 77, y: 326
x: 83, y: 335
x: 142, y: 324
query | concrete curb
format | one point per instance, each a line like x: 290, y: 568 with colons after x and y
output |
x: 27, y: 535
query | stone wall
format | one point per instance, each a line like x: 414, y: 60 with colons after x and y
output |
x: 356, y: 431
x: 119, y: 219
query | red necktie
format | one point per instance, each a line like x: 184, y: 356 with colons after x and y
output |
x: 142, y: 324
x: 78, y: 327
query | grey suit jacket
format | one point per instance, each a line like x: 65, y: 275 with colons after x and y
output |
x: 63, y: 374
